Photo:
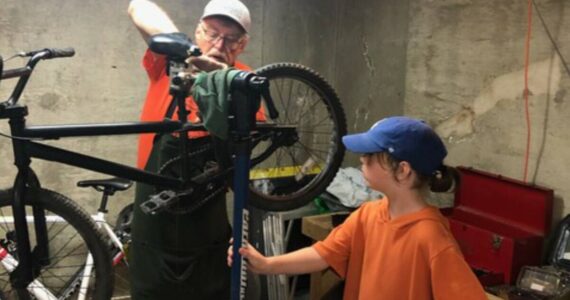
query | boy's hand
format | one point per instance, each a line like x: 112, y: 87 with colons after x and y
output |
x: 256, y: 262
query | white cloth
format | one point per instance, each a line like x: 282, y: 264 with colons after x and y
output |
x: 350, y: 188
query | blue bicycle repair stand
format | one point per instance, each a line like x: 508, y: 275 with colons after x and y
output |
x: 244, y: 102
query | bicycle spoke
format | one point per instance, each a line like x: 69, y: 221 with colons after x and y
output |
x: 279, y: 88
x: 4, y: 224
x: 69, y: 240
x: 313, y: 132
x: 279, y: 155
x: 295, y: 165
x: 287, y: 106
x: 308, y: 151
x: 312, y: 110
x: 67, y: 255
x: 304, y: 148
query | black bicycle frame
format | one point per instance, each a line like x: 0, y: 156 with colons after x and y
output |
x: 25, y: 149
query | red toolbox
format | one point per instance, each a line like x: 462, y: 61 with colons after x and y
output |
x: 499, y: 223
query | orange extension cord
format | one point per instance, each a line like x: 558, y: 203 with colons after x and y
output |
x: 526, y: 91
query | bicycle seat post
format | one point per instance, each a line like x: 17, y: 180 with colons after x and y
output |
x: 105, y: 199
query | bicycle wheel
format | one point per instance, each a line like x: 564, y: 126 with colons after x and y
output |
x: 298, y: 170
x: 72, y: 234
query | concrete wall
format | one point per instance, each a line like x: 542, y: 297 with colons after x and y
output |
x: 456, y: 63
x: 465, y: 75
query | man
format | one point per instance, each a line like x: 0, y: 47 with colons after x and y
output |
x: 181, y: 255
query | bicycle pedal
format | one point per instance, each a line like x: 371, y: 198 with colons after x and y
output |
x: 159, y: 202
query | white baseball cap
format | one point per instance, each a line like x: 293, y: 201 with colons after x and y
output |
x: 233, y: 9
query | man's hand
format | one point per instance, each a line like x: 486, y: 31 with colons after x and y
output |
x: 205, y: 63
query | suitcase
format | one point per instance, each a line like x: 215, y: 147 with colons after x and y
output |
x: 499, y: 223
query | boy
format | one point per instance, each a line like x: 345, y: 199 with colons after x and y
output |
x: 396, y: 248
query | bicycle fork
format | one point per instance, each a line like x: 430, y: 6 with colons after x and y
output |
x: 29, y: 262
x: 27, y: 268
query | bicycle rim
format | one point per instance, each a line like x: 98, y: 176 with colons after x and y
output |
x: 296, y: 173
x: 72, y: 235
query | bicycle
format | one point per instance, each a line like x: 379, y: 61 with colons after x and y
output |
x: 116, y: 237
x: 304, y: 142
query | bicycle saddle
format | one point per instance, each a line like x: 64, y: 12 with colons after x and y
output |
x: 176, y: 46
x: 110, y: 184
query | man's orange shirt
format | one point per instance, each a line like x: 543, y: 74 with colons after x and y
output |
x: 158, y: 100
x: 413, y: 257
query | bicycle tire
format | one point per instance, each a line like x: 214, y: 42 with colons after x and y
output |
x: 314, y: 108
x: 69, y: 243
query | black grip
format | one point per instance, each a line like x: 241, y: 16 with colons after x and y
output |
x: 55, y: 52
x: 48, y: 53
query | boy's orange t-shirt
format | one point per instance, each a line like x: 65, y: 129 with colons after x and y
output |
x: 158, y: 100
x: 413, y: 257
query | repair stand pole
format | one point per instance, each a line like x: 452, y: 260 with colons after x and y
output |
x: 240, y: 127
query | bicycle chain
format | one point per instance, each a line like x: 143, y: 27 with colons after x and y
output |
x: 177, y: 209
x: 197, y: 204
x: 199, y: 150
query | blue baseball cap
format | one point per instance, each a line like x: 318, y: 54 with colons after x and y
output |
x: 404, y: 138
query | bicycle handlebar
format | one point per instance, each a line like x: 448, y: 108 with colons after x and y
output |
x: 25, y: 72
x: 37, y: 55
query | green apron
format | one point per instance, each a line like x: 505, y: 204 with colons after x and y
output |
x: 179, y: 256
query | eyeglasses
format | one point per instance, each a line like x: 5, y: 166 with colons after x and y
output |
x: 232, y: 42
